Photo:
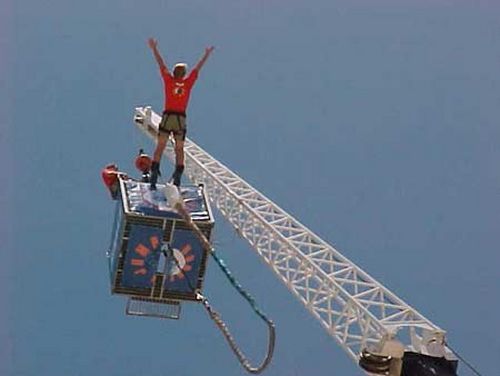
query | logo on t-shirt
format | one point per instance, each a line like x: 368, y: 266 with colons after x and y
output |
x: 179, y: 89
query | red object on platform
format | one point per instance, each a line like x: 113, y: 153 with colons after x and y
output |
x: 143, y: 163
x: 109, y: 175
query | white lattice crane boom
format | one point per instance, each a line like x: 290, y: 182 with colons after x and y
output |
x: 354, y: 308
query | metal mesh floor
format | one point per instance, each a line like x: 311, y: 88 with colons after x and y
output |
x: 152, y: 308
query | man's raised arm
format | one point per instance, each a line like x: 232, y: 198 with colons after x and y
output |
x: 153, y: 44
x: 202, y: 61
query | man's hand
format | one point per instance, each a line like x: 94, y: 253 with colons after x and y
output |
x: 152, y: 43
x: 202, y: 61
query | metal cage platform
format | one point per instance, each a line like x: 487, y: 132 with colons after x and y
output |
x: 154, y: 256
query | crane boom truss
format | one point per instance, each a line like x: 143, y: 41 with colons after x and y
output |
x: 354, y: 308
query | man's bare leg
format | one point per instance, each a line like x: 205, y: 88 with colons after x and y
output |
x: 155, y: 166
x: 179, y: 160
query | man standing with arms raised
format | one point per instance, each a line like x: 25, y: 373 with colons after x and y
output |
x: 177, y: 87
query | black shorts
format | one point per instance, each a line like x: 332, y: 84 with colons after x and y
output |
x: 175, y: 123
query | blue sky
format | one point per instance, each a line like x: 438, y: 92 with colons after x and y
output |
x: 374, y: 123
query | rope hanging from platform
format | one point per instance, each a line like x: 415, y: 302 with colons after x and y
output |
x: 215, y: 316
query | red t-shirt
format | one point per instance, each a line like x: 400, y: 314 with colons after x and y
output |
x: 177, y: 90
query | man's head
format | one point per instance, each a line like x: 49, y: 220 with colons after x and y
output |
x: 180, y: 70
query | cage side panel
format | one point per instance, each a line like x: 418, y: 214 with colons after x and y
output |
x: 184, y: 273
x: 206, y: 229
x: 142, y: 255
x: 115, y: 246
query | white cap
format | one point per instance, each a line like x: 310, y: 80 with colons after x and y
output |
x: 181, y: 65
